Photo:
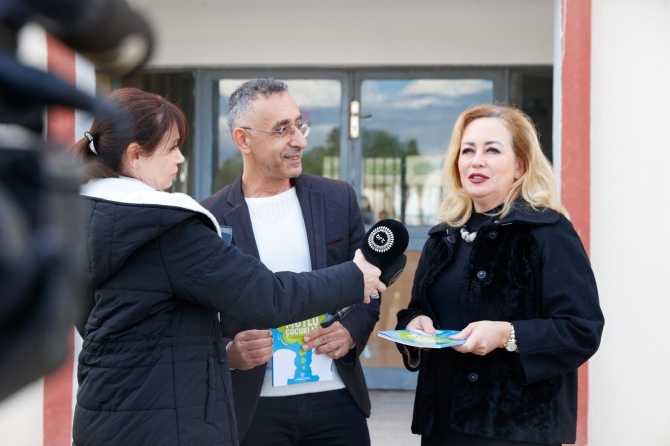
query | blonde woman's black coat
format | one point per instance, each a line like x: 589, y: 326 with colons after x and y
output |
x: 153, y: 368
x: 529, y: 268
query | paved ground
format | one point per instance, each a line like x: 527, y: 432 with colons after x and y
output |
x: 391, y: 418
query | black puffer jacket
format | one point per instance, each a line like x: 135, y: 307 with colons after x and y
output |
x: 153, y: 368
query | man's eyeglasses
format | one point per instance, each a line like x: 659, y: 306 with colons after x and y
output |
x: 288, y: 129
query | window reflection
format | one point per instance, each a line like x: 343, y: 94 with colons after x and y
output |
x: 404, y: 143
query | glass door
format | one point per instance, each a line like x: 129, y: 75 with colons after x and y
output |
x: 404, y: 126
x: 320, y: 95
x: 403, y: 143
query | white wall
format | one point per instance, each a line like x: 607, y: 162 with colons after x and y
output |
x: 350, y: 32
x: 22, y: 416
x: 629, y: 381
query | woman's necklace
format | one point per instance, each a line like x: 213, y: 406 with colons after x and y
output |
x: 468, y: 236
x: 478, y: 220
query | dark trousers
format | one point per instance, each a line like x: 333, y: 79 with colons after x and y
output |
x: 313, y: 419
x: 444, y: 436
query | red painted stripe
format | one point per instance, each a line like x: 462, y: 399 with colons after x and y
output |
x: 58, y: 403
x: 58, y: 385
x: 575, y: 137
x: 60, y: 121
x: 575, y: 147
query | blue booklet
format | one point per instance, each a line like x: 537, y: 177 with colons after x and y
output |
x: 290, y: 363
x: 421, y: 339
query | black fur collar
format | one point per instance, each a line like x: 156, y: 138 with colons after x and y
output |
x: 521, y: 213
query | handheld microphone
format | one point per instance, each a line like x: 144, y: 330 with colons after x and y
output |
x: 384, y: 246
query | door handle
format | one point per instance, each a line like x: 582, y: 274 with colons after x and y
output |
x: 355, y: 117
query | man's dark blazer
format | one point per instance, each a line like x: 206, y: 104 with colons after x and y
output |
x: 334, y: 231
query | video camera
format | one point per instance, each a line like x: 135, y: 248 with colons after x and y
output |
x: 41, y: 253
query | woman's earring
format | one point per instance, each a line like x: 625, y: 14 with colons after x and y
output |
x: 137, y: 164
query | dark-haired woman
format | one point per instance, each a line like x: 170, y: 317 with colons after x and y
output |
x: 153, y: 369
x: 507, y: 268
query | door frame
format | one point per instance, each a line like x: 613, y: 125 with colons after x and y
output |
x: 206, y: 163
x: 205, y: 159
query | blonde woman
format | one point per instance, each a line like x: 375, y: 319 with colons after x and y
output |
x: 507, y: 268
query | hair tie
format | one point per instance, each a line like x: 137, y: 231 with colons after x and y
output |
x: 91, y: 146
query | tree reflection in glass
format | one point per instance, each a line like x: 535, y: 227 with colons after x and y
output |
x: 404, y: 144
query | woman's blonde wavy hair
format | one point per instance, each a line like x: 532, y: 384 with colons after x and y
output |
x: 537, y: 185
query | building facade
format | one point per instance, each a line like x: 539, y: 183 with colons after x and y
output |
x: 383, y: 83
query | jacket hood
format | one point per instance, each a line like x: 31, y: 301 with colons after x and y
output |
x: 124, y: 214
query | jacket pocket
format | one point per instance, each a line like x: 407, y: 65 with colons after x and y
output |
x: 334, y: 242
x: 211, y: 391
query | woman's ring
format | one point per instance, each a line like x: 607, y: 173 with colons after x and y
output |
x: 375, y: 295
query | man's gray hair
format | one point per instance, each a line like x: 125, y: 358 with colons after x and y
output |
x: 240, y: 100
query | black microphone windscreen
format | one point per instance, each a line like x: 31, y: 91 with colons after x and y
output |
x: 383, y: 246
x: 385, y: 242
x: 392, y: 272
